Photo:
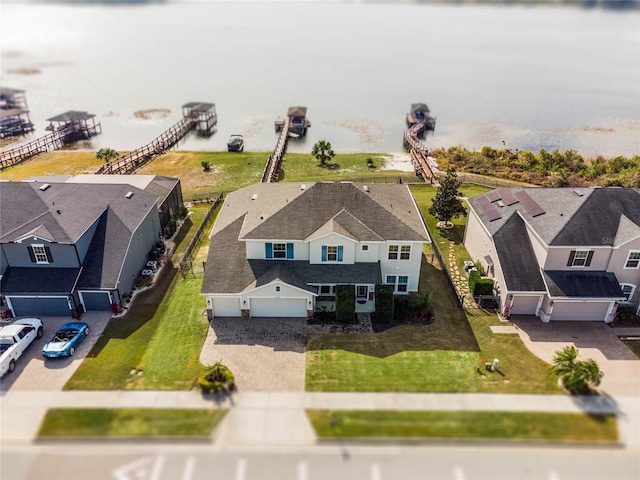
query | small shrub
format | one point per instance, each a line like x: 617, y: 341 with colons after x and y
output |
x: 206, y: 165
x: 625, y: 314
x: 217, y: 377
x: 480, y: 286
x: 480, y: 268
x: 345, y: 303
x: 384, y: 303
x: 182, y: 212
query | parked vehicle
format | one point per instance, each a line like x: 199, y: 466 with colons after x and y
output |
x: 66, y: 340
x: 14, y: 340
x: 235, y: 143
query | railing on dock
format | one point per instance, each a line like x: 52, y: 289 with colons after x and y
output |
x: 52, y: 141
x: 419, y: 153
x: 131, y: 161
x: 275, y: 159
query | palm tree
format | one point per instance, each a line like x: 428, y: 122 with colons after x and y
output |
x: 578, y: 376
x: 106, y: 154
x: 323, y: 152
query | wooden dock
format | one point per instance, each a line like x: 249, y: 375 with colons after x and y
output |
x: 419, y: 153
x: 53, y: 141
x: 130, y: 162
x: 270, y: 173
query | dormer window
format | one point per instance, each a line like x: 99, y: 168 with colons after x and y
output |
x: 40, y: 254
x: 332, y: 253
x: 580, y: 258
x: 279, y: 250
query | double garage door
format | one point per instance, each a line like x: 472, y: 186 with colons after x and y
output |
x: 262, y: 307
x: 39, y: 306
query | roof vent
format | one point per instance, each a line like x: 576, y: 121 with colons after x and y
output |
x: 44, y: 186
x: 254, y: 196
x: 129, y: 195
x: 303, y: 186
x: 500, y: 203
x: 578, y: 193
x: 366, y: 188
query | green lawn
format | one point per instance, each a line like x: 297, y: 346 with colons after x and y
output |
x: 518, y: 426
x: 157, y: 344
x: 441, y: 357
x: 129, y: 422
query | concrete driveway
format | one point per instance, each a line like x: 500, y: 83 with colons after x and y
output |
x: 34, y: 372
x: 264, y: 354
x: 594, y: 340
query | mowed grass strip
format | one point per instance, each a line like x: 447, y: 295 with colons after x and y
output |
x: 467, y: 425
x: 157, y: 344
x: 129, y: 422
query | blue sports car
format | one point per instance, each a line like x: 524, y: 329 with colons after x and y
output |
x: 66, y: 339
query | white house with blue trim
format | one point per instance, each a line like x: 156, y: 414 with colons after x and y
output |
x: 280, y: 249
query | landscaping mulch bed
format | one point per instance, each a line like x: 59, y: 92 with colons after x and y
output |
x: 416, y: 319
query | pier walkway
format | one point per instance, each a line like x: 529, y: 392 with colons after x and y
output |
x: 420, y: 153
x: 274, y: 161
x: 53, y: 141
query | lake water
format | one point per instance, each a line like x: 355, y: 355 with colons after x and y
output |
x: 531, y: 77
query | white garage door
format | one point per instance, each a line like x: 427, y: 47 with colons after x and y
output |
x: 226, y: 307
x: 524, y: 305
x: 589, y: 311
x: 279, y: 307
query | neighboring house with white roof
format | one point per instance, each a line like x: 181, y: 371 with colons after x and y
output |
x: 70, y: 247
x: 559, y: 253
x: 280, y: 249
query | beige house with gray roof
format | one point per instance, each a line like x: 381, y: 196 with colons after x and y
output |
x: 559, y: 253
x: 280, y: 249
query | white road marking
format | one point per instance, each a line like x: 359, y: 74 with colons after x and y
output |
x: 147, y: 468
x: 189, y: 465
x: 302, y: 470
x: 458, y: 473
x: 241, y: 468
x: 376, y: 473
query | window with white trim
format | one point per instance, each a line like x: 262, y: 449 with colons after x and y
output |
x: 40, y: 253
x: 362, y: 291
x: 402, y: 252
x: 400, y: 283
x: 332, y: 253
x: 327, y: 289
x: 633, y: 260
x: 580, y: 258
x: 279, y: 250
x: 365, y: 248
x: 627, y: 291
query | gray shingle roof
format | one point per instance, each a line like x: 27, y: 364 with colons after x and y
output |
x: 285, y: 212
x: 517, y: 258
x: 64, y: 211
x: 594, y: 218
x: 587, y: 284
x: 38, y: 280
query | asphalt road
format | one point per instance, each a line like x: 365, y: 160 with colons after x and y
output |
x: 97, y: 461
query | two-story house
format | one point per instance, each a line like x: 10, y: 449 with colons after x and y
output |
x: 280, y: 249
x: 559, y: 253
x: 66, y: 248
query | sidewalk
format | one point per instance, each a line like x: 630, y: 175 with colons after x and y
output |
x: 258, y: 418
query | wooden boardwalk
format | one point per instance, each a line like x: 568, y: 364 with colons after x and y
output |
x: 419, y: 153
x: 52, y: 141
x: 130, y: 162
x: 270, y: 173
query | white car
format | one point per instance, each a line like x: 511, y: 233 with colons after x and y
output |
x: 14, y: 340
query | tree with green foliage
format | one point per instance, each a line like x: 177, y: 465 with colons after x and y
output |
x: 323, y: 152
x: 217, y: 377
x: 447, y: 204
x: 106, y: 154
x: 578, y: 376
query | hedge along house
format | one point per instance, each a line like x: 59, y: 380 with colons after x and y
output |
x: 167, y: 189
x: 559, y: 253
x: 280, y: 249
x: 67, y: 248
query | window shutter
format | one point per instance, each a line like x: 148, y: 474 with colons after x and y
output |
x: 289, y: 250
x: 324, y: 253
x: 589, y: 257
x: 268, y: 250
x: 48, y: 252
x: 32, y: 255
x: 340, y: 248
x: 571, y: 257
